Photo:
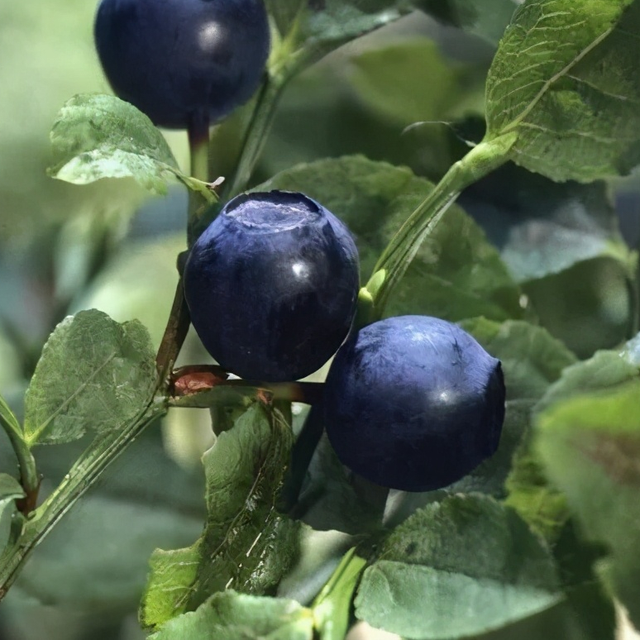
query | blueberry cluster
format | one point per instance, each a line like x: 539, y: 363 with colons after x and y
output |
x: 411, y: 402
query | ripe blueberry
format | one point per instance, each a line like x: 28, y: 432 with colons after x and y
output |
x: 272, y: 286
x: 414, y: 403
x: 178, y: 59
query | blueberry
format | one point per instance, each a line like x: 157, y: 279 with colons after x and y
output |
x: 414, y: 403
x: 272, y: 286
x: 178, y: 59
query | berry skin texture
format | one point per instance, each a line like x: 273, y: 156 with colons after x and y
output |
x: 413, y: 403
x: 181, y: 59
x: 272, y: 286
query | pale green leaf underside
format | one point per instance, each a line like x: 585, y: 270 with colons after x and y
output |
x: 458, y: 568
x: 232, y: 616
x: 565, y: 78
x: 590, y: 445
x: 101, y: 136
x: 171, y: 575
x: 94, y: 375
x: 246, y: 544
x: 458, y: 606
x: 10, y: 490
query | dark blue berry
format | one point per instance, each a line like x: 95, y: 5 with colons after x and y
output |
x: 181, y: 59
x: 414, y: 403
x: 272, y: 286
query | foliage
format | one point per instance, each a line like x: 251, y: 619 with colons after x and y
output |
x: 386, y: 132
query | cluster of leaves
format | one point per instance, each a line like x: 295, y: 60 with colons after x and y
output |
x: 549, y: 525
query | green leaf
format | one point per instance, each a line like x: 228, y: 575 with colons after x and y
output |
x: 246, y: 544
x: 590, y: 445
x: 93, y: 375
x: 8, y: 418
x: 10, y: 490
x: 531, y: 358
x: 169, y: 586
x: 331, y: 23
x: 455, y: 569
x: 565, y: 80
x: 542, y: 227
x: 332, y: 607
x: 538, y: 503
x: 485, y: 18
x: 456, y: 273
x: 233, y: 616
x: 604, y: 370
x: 101, y: 136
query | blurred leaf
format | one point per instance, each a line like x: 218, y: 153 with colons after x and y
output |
x: 457, y: 568
x: 590, y: 445
x: 101, y: 136
x: 233, y: 616
x: 139, y: 282
x: 331, y: 501
x: 83, y: 245
x: 410, y: 80
x: 588, y: 306
x: 37, y: 42
x: 331, y: 23
x: 456, y: 273
x: 565, y: 79
x: 91, y: 569
x: 246, y: 544
x: 531, y: 358
x: 605, y: 370
x: 485, y: 18
x: 9, y: 363
x: 10, y: 490
x: 284, y: 13
x: 334, y: 108
x: 542, y: 227
x: 110, y: 540
x: 94, y: 374
x: 587, y: 597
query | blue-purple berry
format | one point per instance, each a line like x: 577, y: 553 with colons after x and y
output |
x: 414, y: 403
x: 177, y: 60
x: 272, y: 286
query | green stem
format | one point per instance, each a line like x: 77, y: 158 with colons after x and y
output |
x: 28, y: 473
x: 198, y: 132
x: 83, y: 474
x: 332, y: 607
x: 179, y: 320
x: 256, y: 135
x: 301, y: 455
x: 393, y: 263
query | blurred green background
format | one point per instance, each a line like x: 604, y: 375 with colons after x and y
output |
x: 111, y: 246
